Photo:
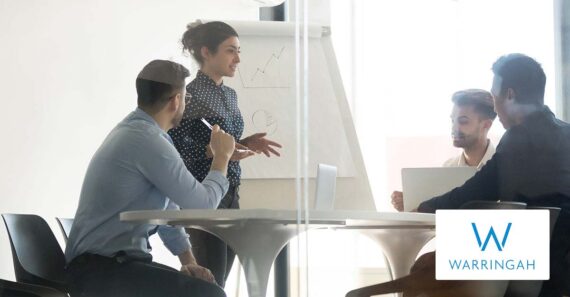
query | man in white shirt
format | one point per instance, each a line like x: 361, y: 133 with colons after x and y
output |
x: 471, y: 117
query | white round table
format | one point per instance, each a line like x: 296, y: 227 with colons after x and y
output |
x: 257, y: 235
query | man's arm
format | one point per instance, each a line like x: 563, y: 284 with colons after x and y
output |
x: 176, y: 240
x: 187, y: 257
x: 482, y: 186
x: 162, y: 166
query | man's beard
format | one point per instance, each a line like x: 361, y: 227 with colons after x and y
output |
x: 461, y: 140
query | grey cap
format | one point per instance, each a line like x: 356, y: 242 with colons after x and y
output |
x: 164, y: 71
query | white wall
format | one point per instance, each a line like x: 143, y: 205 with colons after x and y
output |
x: 67, y: 73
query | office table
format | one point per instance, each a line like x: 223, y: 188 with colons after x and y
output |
x: 257, y: 235
x: 400, y: 235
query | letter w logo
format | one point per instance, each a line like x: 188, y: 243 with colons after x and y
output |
x: 483, y: 245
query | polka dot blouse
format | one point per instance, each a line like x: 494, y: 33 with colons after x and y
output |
x: 218, y: 105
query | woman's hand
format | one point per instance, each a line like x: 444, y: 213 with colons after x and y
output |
x: 258, y: 143
x: 240, y: 152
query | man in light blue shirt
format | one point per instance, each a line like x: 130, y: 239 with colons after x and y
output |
x: 138, y: 168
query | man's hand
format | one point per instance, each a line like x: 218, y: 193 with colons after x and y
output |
x: 190, y: 267
x: 398, y: 200
x: 258, y: 143
x: 198, y: 271
x: 221, y: 143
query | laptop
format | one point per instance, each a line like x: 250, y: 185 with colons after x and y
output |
x: 326, y: 186
x: 421, y: 184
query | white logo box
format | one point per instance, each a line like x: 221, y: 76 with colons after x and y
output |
x: 524, y: 256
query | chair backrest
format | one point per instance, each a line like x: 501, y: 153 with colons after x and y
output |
x: 554, y: 213
x: 65, y: 227
x: 13, y: 289
x: 531, y: 288
x: 38, y: 258
x: 483, y: 204
x: 559, y: 283
x: 517, y: 288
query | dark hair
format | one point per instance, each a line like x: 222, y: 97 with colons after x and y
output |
x: 210, y: 35
x: 154, y: 95
x: 522, y: 74
x: 481, y: 100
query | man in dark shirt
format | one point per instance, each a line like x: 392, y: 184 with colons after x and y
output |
x: 531, y: 163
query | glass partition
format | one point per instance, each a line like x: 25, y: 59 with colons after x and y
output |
x: 398, y: 63
x: 361, y: 87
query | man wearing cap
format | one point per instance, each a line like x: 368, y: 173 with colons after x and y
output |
x: 471, y: 118
x: 138, y: 168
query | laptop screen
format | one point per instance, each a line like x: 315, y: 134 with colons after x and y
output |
x: 421, y: 184
x: 326, y: 185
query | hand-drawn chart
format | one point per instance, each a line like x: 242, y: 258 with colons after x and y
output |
x: 266, y: 86
x: 266, y: 75
x: 264, y: 121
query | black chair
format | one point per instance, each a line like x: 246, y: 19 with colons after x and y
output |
x: 13, y: 289
x: 483, y: 204
x: 559, y: 282
x: 65, y: 227
x: 518, y: 288
x: 37, y: 256
x: 531, y: 288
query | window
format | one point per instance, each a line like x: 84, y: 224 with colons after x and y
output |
x: 402, y: 60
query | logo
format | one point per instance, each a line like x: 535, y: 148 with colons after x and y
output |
x: 491, y: 234
x: 492, y: 244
